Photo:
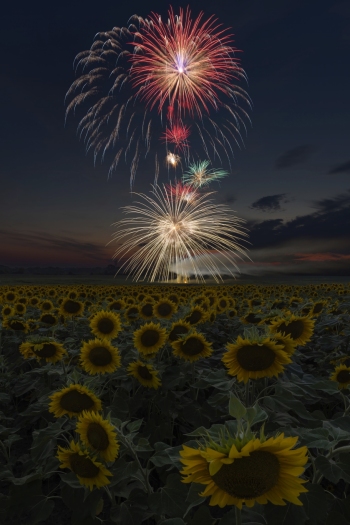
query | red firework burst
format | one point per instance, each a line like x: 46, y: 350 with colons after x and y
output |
x: 177, y: 135
x: 181, y: 191
x: 186, y: 63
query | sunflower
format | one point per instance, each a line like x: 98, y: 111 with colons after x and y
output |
x: 299, y: 328
x: 145, y: 374
x: 117, y: 305
x: 42, y: 348
x: 255, y: 358
x: 46, y: 306
x: 16, y: 323
x: 73, y: 400
x: 178, y: 329
x: 192, y: 347
x: 34, y: 301
x: 286, y: 341
x: 197, y: 315
x: 98, y: 434
x: 69, y: 307
x: 132, y: 313
x: 99, y: 356
x: 231, y: 313
x: 164, y: 309
x: 7, y: 311
x: 222, y: 304
x: 251, y: 318
x: 10, y: 297
x: 146, y: 309
x: 341, y: 374
x: 259, y: 472
x: 105, y: 324
x: 20, y: 308
x: 318, y: 308
x: 88, y: 471
x: 149, y: 338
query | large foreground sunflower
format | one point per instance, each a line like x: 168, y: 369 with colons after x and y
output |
x: 73, y: 400
x: 259, y: 472
x: 99, y: 356
x: 88, y: 471
x: 145, y: 374
x: 255, y: 358
x: 105, y: 324
x: 192, y: 347
x: 149, y: 338
x: 299, y: 328
x: 98, y: 434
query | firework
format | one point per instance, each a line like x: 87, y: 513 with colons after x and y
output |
x: 151, y: 82
x: 165, y: 233
x: 172, y: 159
x: 177, y: 134
x: 182, y: 191
x: 199, y: 174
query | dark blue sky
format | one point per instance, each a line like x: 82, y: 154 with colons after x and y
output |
x: 291, y: 181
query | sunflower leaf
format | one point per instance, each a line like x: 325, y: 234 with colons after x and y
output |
x: 236, y: 408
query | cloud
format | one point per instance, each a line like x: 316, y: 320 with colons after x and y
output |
x: 294, y: 156
x: 331, y: 219
x: 340, y: 168
x: 269, y: 203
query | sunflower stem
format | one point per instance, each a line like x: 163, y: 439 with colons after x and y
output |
x: 247, y: 404
x: 238, y: 516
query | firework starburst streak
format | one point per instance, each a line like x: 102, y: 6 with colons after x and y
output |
x: 165, y: 233
x: 159, y: 81
x: 199, y: 174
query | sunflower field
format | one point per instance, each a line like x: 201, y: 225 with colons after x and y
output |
x: 175, y: 404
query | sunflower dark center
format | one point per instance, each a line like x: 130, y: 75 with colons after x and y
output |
x: 48, y: 319
x: 174, y: 298
x: 150, y: 338
x: 71, y: 307
x: 105, y: 325
x: 176, y: 331
x: 318, y: 307
x: 46, y: 306
x: 133, y: 311
x: 195, y: 316
x: 75, y: 401
x: 164, y: 309
x: 252, y: 318
x: 144, y: 373
x: 116, y: 305
x: 19, y: 307
x: 97, y: 436
x: 192, y: 346
x: 83, y: 466
x: 343, y: 376
x: 100, y: 356
x: 222, y: 303
x: 255, y: 358
x: 17, y: 325
x: 147, y: 310
x: 294, y: 328
x: 249, y: 477
x: 48, y: 350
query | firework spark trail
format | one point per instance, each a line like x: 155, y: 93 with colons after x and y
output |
x: 184, y: 68
x: 199, y: 175
x: 166, y: 230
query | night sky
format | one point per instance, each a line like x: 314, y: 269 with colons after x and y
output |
x: 290, y: 181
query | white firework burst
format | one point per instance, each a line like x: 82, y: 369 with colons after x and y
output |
x: 166, y: 233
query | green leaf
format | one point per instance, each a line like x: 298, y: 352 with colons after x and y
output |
x: 171, y: 499
x: 329, y: 469
x: 236, y: 408
x: 135, y: 425
x: 289, y: 515
x: 315, y: 503
x: 41, y: 511
x: 202, y: 516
